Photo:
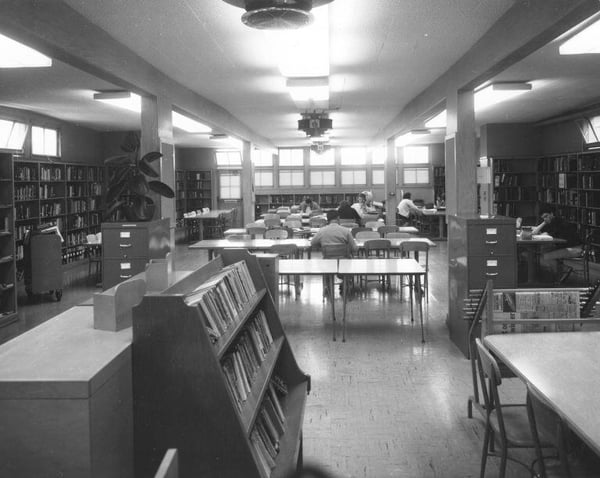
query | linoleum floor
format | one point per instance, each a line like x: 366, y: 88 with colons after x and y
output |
x: 382, y: 404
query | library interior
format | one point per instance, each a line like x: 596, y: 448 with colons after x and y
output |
x: 299, y: 238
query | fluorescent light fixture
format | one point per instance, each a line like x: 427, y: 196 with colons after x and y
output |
x: 586, y: 41
x: 188, y: 124
x: 305, y: 51
x: 498, y: 92
x: 16, y: 55
x: 309, y: 88
x: 227, y: 140
x: 122, y: 99
x: 420, y: 132
x: 411, y: 136
x: 437, y: 121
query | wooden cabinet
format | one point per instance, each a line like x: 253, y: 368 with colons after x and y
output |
x: 8, y: 289
x: 128, y: 246
x: 201, y: 383
x: 478, y: 249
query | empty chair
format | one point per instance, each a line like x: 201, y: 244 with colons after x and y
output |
x: 383, y: 230
x: 271, y: 215
x: 369, y: 218
x: 276, y: 234
x: 509, y: 423
x: 358, y: 229
x: 373, y: 225
x: 368, y: 234
x: 256, y: 231
x: 286, y: 251
x: 293, y: 223
x: 295, y: 209
x: 418, y: 250
x: 398, y: 235
x: 350, y: 225
x: 316, y: 212
x: 295, y: 215
x: 317, y: 221
x: 272, y: 222
x: 238, y: 237
x: 380, y: 249
x: 283, y: 213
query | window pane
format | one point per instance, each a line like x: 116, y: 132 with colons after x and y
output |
x: 44, y: 141
x: 324, y: 159
x: 12, y: 134
x: 416, y: 175
x: 354, y: 156
x: 322, y: 178
x: 263, y: 178
x: 416, y: 155
x: 358, y: 176
x: 378, y: 156
x: 229, y: 186
x: 291, y: 177
x: 291, y: 157
x: 262, y: 158
x: 228, y: 159
x: 378, y: 176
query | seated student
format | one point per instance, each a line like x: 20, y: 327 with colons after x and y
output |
x: 557, y: 227
x: 348, y: 212
x: 373, y: 207
x: 361, y: 205
x: 405, y: 208
x: 308, y: 205
x: 333, y: 233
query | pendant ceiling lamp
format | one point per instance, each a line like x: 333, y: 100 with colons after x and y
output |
x: 277, y: 14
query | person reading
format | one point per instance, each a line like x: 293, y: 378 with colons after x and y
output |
x: 406, y: 207
x: 333, y: 233
x: 308, y: 205
x: 348, y: 212
x: 361, y: 205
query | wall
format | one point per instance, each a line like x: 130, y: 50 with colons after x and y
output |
x: 563, y: 137
x: 194, y: 158
x: 510, y: 139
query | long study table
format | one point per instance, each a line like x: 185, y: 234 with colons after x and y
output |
x: 564, y: 368
x: 532, y: 247
x: 211, y: 245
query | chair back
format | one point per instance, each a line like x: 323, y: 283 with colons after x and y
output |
x: 416, y: 247
x: 367, y: 234
x: 356, y: 230
x: 383, y: 230
x: 350, y: 225
x: 490, y: 379
x: 373, y: 225
x: 397, y: 235
x: 169, y: 466
x: 271, y: 215
x: 272, y: 222
x: 276, y: 234
x: 336, y: 251
x: 256, y: 232
x: 295, y: 209
x: 238, y: 237
x: 377, y: 248
x: 317, y: 221
x: 283, y: 213
x: 285, y: 251
x: 295, y: 215
x: 293, y: 223
x: 369, y: 218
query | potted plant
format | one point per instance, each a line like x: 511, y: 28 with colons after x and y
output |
x: 129, y: 185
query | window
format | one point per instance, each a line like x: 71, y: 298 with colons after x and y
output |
x: 326, y: 158
x: 416, y: 155
x: 44, y: 141
x: 12, y: 134
x: 354, y: 156
x: 416, y: 175
x: 229, y: 186
x: 262, y: 158
x: 291, y: 177
x: 291, y: 157
x: 378, y: 156
x: 378, y: 176
x: 322, y: 178
x: 228, y: 159
x: 354, y: 176
x: 263, y: 179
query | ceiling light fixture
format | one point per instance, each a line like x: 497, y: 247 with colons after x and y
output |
x: 585, y: 41
x: 497, y: 92
x: 122, y: 99
x: 16, y: 55
x: 188, y: 124
x: 315, y: 124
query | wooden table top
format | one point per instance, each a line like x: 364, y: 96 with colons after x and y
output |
x: 255, y: 244
x: 396, y: 241
x: 379, y: 266
x: 564, y: 367
x: 308, y: 266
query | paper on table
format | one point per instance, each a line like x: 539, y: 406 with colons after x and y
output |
x: 542, y: 237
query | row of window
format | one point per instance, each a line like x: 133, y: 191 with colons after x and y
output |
x: 44, y: 141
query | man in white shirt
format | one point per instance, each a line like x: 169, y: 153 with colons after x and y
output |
x: 406, y: 208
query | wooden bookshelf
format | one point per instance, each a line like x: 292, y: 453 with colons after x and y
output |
x: 264, y: 202
x: 515, y: 188
x: 439, y: 182
x: 66, y: 194
x: 215, y: 377
x: 8, y: 289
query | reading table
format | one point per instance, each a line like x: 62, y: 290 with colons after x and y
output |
x: 251, y: 244
x: 531, y: 248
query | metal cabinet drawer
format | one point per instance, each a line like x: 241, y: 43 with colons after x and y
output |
x: 118, y: 270
x: 501, y: 269
x: 491, y: 240
x: 125, y: 242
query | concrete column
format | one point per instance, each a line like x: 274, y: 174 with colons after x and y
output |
x: 247, y: 183
x: 390, y: 187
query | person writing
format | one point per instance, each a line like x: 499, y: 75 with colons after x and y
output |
x: 373, y: 207
x: 308, y: 205
x: 333, y: 233
x: 348, y: 212
x: 361, y: 205
x: 557, y: 227
x: 406, y: 207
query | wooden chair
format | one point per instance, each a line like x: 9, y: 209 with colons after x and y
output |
x: 370, y: 218
x: 238, y: 237
x: 377, y: 248
x: 383, y: 230
x: 271, y: 222
x: 350, y: 225
x: 256, y: 232
x: 373, y: 225
x: 293, y: 223
x: 276, y: 234
x: 577, y: 265
x: 367, y: 234
x: 286, y: 251
x: 317, y: 221
x: 271, y: 215
x: 169, y: 466
x: 508, y: 423
x: 358, y: 229
x: 334, y: 251
x: 283, y: 213
x: 420, y: 252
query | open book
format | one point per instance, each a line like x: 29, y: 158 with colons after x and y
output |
x: 94, y: 238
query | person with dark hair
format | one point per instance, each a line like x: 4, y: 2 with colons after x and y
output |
x: 348, y: 212
x: 557, y: 227
x: 333, y: 233
x: 361, y: 205
x: 406, y: 207
x: 308, y: 205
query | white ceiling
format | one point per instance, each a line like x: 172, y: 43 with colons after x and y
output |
x: 383, y: 53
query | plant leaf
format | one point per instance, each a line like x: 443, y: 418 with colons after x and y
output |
x: 151, y: 156
x: 140, y: 207
x: 119, y: 160
x: 131, y: 142
x: 145, y: 168
x: 115, y: 191
x: 138, y: 184
x: 161, y: 188
x: 112, y: 208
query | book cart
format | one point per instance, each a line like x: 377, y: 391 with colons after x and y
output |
x: 215, y: 377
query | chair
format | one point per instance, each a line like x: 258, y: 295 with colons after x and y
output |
x: 286, y: 251
x: 256, y: 231
x: 293, y: 223
x: 509, y: 423
x: 94, y: 253
x: 334, y: 251
x: 316, y: 212
x: 283, y: 213
x: 377, y: 248
x: 367, y: 234
x: 272, y: 222
x: 418, y: 250
x: 271, y: 215
x: 238, y: 237
x: 373, y: 225
x: 317, y: 221
x: 169, y: 466
x: 398, y: 235
x: 577, y: 265
x: 369, y: 218
x: 276, y: 234
x: 358, y: 229
x: 383, y: 230
x: 350, y: 225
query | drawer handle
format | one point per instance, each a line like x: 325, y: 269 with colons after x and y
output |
x: 491, y: 274
x: 124, y: 276
x: 124, y: 246
x: 491, y: 242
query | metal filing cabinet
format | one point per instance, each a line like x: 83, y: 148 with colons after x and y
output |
x: 128, y: 246
x: 479, y: 249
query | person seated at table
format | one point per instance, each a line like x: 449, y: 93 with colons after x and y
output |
x: 348, y: 212
x: 440, y: 201
x: 406, y: 208
x: 333, y: 233
x: 361, y: 205
x: 558, y: 228
x: 308, y: 205
x: 373, y: 207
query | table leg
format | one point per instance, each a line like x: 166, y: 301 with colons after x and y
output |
x: 419, y: 293
x: 441, y: 227
x: 330, y: 285
x: 200, y: 230
x: 410, y: 288
x: 345, y: 282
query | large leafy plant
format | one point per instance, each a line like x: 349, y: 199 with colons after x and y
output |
x: 129, y: 185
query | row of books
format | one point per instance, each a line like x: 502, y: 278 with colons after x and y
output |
x: 268, y: 429
x: 222, y: 297
x: 244, y: 359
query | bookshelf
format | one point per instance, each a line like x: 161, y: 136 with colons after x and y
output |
x: 8, y: 290
x: 179, y: 194
x: 515, y: 188
x: 439, y: 182
x: 264, y: 202
x: 215, y: 377
x: 198, y: 190
x: 66, y: 194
